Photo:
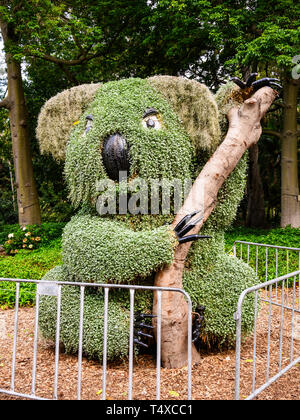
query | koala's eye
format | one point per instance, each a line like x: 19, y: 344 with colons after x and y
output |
x: 152, y: 119
x: 89, y: 123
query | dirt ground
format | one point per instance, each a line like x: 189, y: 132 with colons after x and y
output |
x: 212, y: 379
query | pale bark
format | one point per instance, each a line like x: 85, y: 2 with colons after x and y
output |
x: 290, y: 203
x: 244, y: 130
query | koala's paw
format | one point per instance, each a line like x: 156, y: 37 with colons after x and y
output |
x: 139, y: 328
x: 186, y: 225
x: 197, y: 322
x: 251, y: 82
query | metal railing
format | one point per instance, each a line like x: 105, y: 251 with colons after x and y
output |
x: 279, y: 294
x: 46, y: 288
x: 293, y: 307
x: 258, y: 256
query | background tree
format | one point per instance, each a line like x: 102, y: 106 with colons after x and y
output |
x: 66, y: 34
x: 272, y: 43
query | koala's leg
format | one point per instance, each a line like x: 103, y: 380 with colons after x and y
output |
x: 218, y: 291
x: 102, y: 250
x: 93, y: 326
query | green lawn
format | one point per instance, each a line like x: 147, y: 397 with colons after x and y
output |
x: 34, y: 264
x: 27, y: 265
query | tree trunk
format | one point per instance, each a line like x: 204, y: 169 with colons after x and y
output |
x: 256, y: 202
x: 27, y: 197
x: 290, y: 203
x: 244, y: 131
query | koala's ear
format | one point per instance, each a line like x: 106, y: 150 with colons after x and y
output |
x: 58, y: 116
x: 196, y: 107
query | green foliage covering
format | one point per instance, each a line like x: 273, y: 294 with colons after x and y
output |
x: 216, y: 281
x: 101, y: 250
x: 119, y: 108
x: 196, y: 107
x: 118, y: 321
x: 59, y: 114
x: 131, y: 249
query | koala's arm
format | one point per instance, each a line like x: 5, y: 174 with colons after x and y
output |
x: 101, y: 250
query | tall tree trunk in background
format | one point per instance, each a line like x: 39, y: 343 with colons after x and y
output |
x: 256, y: 202
x: 27, y: 197
x: 255, y: 193
x: 290, y: 203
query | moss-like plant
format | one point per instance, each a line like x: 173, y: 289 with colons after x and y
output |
x: 129, y: 248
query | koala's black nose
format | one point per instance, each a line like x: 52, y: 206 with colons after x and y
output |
x: 115, y: 155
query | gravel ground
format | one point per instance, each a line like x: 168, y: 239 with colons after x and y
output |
x: 213, y: 378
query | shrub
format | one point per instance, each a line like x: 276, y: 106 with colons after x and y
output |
x: 29, y: 238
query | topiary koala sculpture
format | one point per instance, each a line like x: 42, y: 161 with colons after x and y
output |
x: 160, y: 128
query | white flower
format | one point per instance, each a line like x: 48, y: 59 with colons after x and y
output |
x: 11, y: 235
x: 27, y: 234
x: 24, y: 228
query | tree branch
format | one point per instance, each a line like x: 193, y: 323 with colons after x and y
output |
x: 244, y: 131
x: 5, y: 103
x: 272, y: 133
x: 69, y: 75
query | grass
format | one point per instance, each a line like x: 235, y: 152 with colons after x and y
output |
x: 269, y: 263
x: 27, y: 265
x: 34, y: 264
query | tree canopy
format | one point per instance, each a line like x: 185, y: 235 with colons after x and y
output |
x: 66, y: 43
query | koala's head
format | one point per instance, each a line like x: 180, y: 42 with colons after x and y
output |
x: 159, y: 128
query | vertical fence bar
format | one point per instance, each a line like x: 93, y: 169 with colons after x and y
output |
x: 266, y: 263
x: 269, y: 331
x: 234, y: 253
x: 287, y: 282
x: 299, y: 282
x: 104, y: 366
x: 248, y: 251
x: 57, y: 342
x: 131, y: 328
x: 189, y: 349
x: 12, y: 385
x: 241, y: 256
x: 254, y: 344
x: 281, y: 326
x: 82, y: 288
x: 276, y: 272
x: 158, y: 344
x: 238, y: 319
x: 293, y: 319
x: 256, y: 260
x: 35, y: 342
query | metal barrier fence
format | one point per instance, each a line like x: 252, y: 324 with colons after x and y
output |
x: 281, y: 316
x: 45, y: 288
x: 258, y: 256
x: 288, y: 338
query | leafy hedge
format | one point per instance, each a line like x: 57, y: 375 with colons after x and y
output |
x: 46, y: 231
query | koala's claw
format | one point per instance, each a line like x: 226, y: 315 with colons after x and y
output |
x: 138, y: 325
x: 267, y: 81
x: 198, y: 321
x: 256, y: 84
x: 185, y: 225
